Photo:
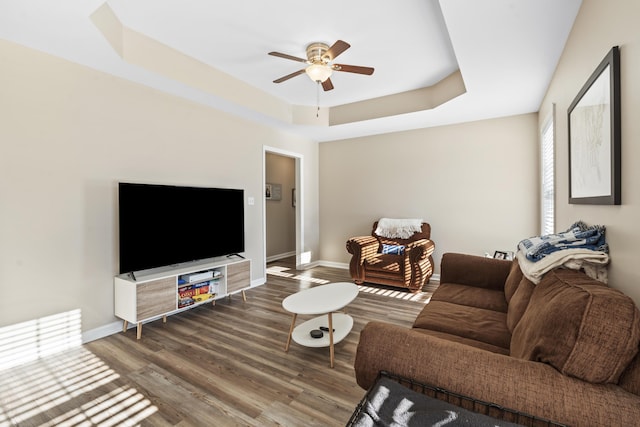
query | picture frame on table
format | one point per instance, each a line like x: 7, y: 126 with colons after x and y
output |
x: 594, y: 136
x: 500, y: 255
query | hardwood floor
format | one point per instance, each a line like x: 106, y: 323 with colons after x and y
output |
x: 209, y: 366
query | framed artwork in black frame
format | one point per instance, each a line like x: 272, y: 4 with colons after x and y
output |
x: 594, y: 136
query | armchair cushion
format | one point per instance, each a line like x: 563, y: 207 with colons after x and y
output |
x: 385, y: 263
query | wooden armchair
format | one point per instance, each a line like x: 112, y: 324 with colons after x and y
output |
x: 408, y: 268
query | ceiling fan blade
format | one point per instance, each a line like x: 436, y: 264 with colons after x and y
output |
x: 335, y: 50
x: 327, y: 85
x: 288, y: 76
x: 285, y: 56
x: 353, y: 69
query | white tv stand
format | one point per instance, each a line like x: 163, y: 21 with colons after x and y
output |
x: 156, y: 293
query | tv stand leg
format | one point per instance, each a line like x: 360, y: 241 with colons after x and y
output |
x: 164, y: 319
x: 125, y: 324
x: 139, y: 335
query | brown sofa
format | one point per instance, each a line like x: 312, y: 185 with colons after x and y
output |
x: 411, y: 269
x: 564, y: 350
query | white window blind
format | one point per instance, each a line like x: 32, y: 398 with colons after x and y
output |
x: 547, y: 147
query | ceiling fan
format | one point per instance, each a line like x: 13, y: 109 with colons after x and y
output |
x: 320, y: 64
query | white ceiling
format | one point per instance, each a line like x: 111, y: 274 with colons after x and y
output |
x: 506, y: 50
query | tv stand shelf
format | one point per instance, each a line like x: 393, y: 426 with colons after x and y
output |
x: 160, y: 293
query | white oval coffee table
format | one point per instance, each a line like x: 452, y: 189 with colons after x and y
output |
x: 323, y: 300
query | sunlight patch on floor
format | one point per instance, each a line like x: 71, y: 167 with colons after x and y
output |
x: 75, y: 379
x: 286, y: 272
x: 280, y: 271
x: 391, y: 293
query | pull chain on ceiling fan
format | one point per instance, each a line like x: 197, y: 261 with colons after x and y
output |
x: 320, y: 64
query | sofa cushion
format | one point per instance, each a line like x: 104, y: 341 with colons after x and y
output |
x: 475, y: 323
x: 471, y: 295
x: 474, y: 270
x: 466, y: 341
x: 630, y: 378
x: 581, y: 328
x: 519, y: 302
x: 513, y: 280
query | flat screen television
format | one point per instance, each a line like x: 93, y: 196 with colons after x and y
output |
x: 164, y: 225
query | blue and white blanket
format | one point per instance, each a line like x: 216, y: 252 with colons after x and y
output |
x: 580, y: 248
x: 578, y: 236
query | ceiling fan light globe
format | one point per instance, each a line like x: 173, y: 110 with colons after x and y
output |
x: 318, y: 72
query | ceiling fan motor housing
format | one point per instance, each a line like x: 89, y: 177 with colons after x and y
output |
x: 316, y: 52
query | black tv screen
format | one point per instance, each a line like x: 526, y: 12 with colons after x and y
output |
x: 163, y: 225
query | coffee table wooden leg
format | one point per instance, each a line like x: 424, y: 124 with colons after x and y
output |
x: 330, y: 315
x: 293, y: 323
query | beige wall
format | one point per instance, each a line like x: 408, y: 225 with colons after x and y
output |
x: 68, y: 135
x: 280, y: 214
x: 599, y: 26
x: 475, y: 183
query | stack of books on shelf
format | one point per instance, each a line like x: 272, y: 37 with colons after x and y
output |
x: 190, y: 294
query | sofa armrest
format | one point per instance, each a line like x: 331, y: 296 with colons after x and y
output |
x: 531, y: 387
x: 474, y: 270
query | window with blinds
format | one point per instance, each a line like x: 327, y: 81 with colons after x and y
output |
x: 547, y: 147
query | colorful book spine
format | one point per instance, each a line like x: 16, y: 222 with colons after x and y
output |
x: 190, y: 291
x: 190, y: 294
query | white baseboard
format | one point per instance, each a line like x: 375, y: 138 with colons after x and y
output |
x: 342, y: 265
x: 258, y: 282
x: 309, y: 265
x: 102, y: 331
x: 280, y: 256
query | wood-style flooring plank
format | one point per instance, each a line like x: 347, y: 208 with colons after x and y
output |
x: 221, y: 365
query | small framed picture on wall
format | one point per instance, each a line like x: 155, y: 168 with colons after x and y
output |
x: 273, y: 191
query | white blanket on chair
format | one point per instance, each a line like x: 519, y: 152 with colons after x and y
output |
x: 398, y: 228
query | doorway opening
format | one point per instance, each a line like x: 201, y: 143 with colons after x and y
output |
x: 283, y: 205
